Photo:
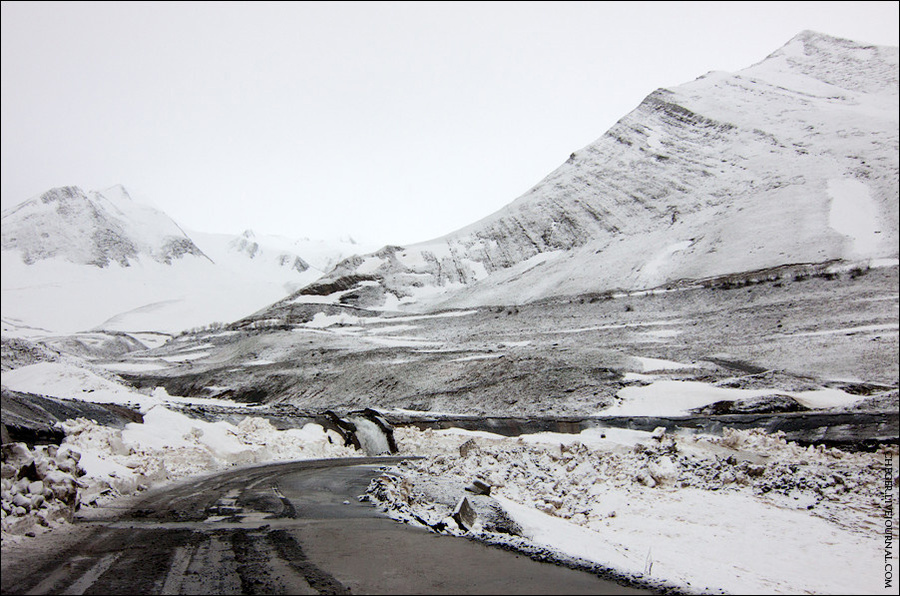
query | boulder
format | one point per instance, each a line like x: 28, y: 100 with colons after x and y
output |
x: 17, y: 454
x: 768, y: 404
x: 464, y: 516
x: 467, y: 447
x: 479, y: 488
x: 20, y: 500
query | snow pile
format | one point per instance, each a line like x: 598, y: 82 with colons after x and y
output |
x: 167, y: 446
x: 694, y: 512
x: 39, y: 487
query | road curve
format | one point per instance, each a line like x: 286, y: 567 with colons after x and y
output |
x: 286, y: 528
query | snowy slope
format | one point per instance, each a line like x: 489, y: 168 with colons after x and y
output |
x: 61, y: 297
x: 792, y: 160
x: 74, y: 261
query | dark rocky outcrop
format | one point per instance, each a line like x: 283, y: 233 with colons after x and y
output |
x: 35, y: 419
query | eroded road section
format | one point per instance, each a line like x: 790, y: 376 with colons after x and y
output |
x: 286, y: 528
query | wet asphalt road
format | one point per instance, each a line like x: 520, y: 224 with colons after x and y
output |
x: 287, y: 528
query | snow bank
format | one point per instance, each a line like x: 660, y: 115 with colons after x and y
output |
x: 747, y: 512
x: 167, y: 446
x: 656, y: 364
x: 677, y: 398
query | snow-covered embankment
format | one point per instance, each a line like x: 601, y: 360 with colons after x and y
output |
x: 745, y: 512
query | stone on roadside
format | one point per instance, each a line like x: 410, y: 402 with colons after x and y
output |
x: 7, y: 471
x: 20, y: 500
x: 645, y: 478
x: 29, y: 472
x: 479, y: 487
x: 464, y: 515
x: 756, y: 470
x: 467, y: 447
x: 17, y: 455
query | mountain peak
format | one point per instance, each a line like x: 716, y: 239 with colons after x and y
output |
x: 61, y: 194
x: 810, y: 36
x: 844, y: 63
x: 116, y: 192
x: 97, y: 228
x: 813, y: 43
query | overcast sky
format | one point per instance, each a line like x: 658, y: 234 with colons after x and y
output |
x: 390, y: 122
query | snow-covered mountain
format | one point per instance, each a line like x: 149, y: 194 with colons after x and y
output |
x: 97, y: 228
x: 75, y: 261
x: 272, y: 251
x: 792, y: 160
x: 247, y: 244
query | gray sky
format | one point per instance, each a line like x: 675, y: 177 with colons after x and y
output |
x: 391, y: 122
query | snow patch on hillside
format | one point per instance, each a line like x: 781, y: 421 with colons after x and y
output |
x: 69, y: 381
x: 854, y: 214
x: 653, y: 273
x: 678, y: 398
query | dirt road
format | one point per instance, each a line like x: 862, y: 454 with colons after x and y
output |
x: 287, y: 528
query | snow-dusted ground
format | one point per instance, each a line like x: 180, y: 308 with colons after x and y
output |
x: 742, y: 513
x: 745, y: 512
x: 574, y: 357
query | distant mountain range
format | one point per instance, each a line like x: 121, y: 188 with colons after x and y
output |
x: 76, y: 261
x: 792, y: 160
